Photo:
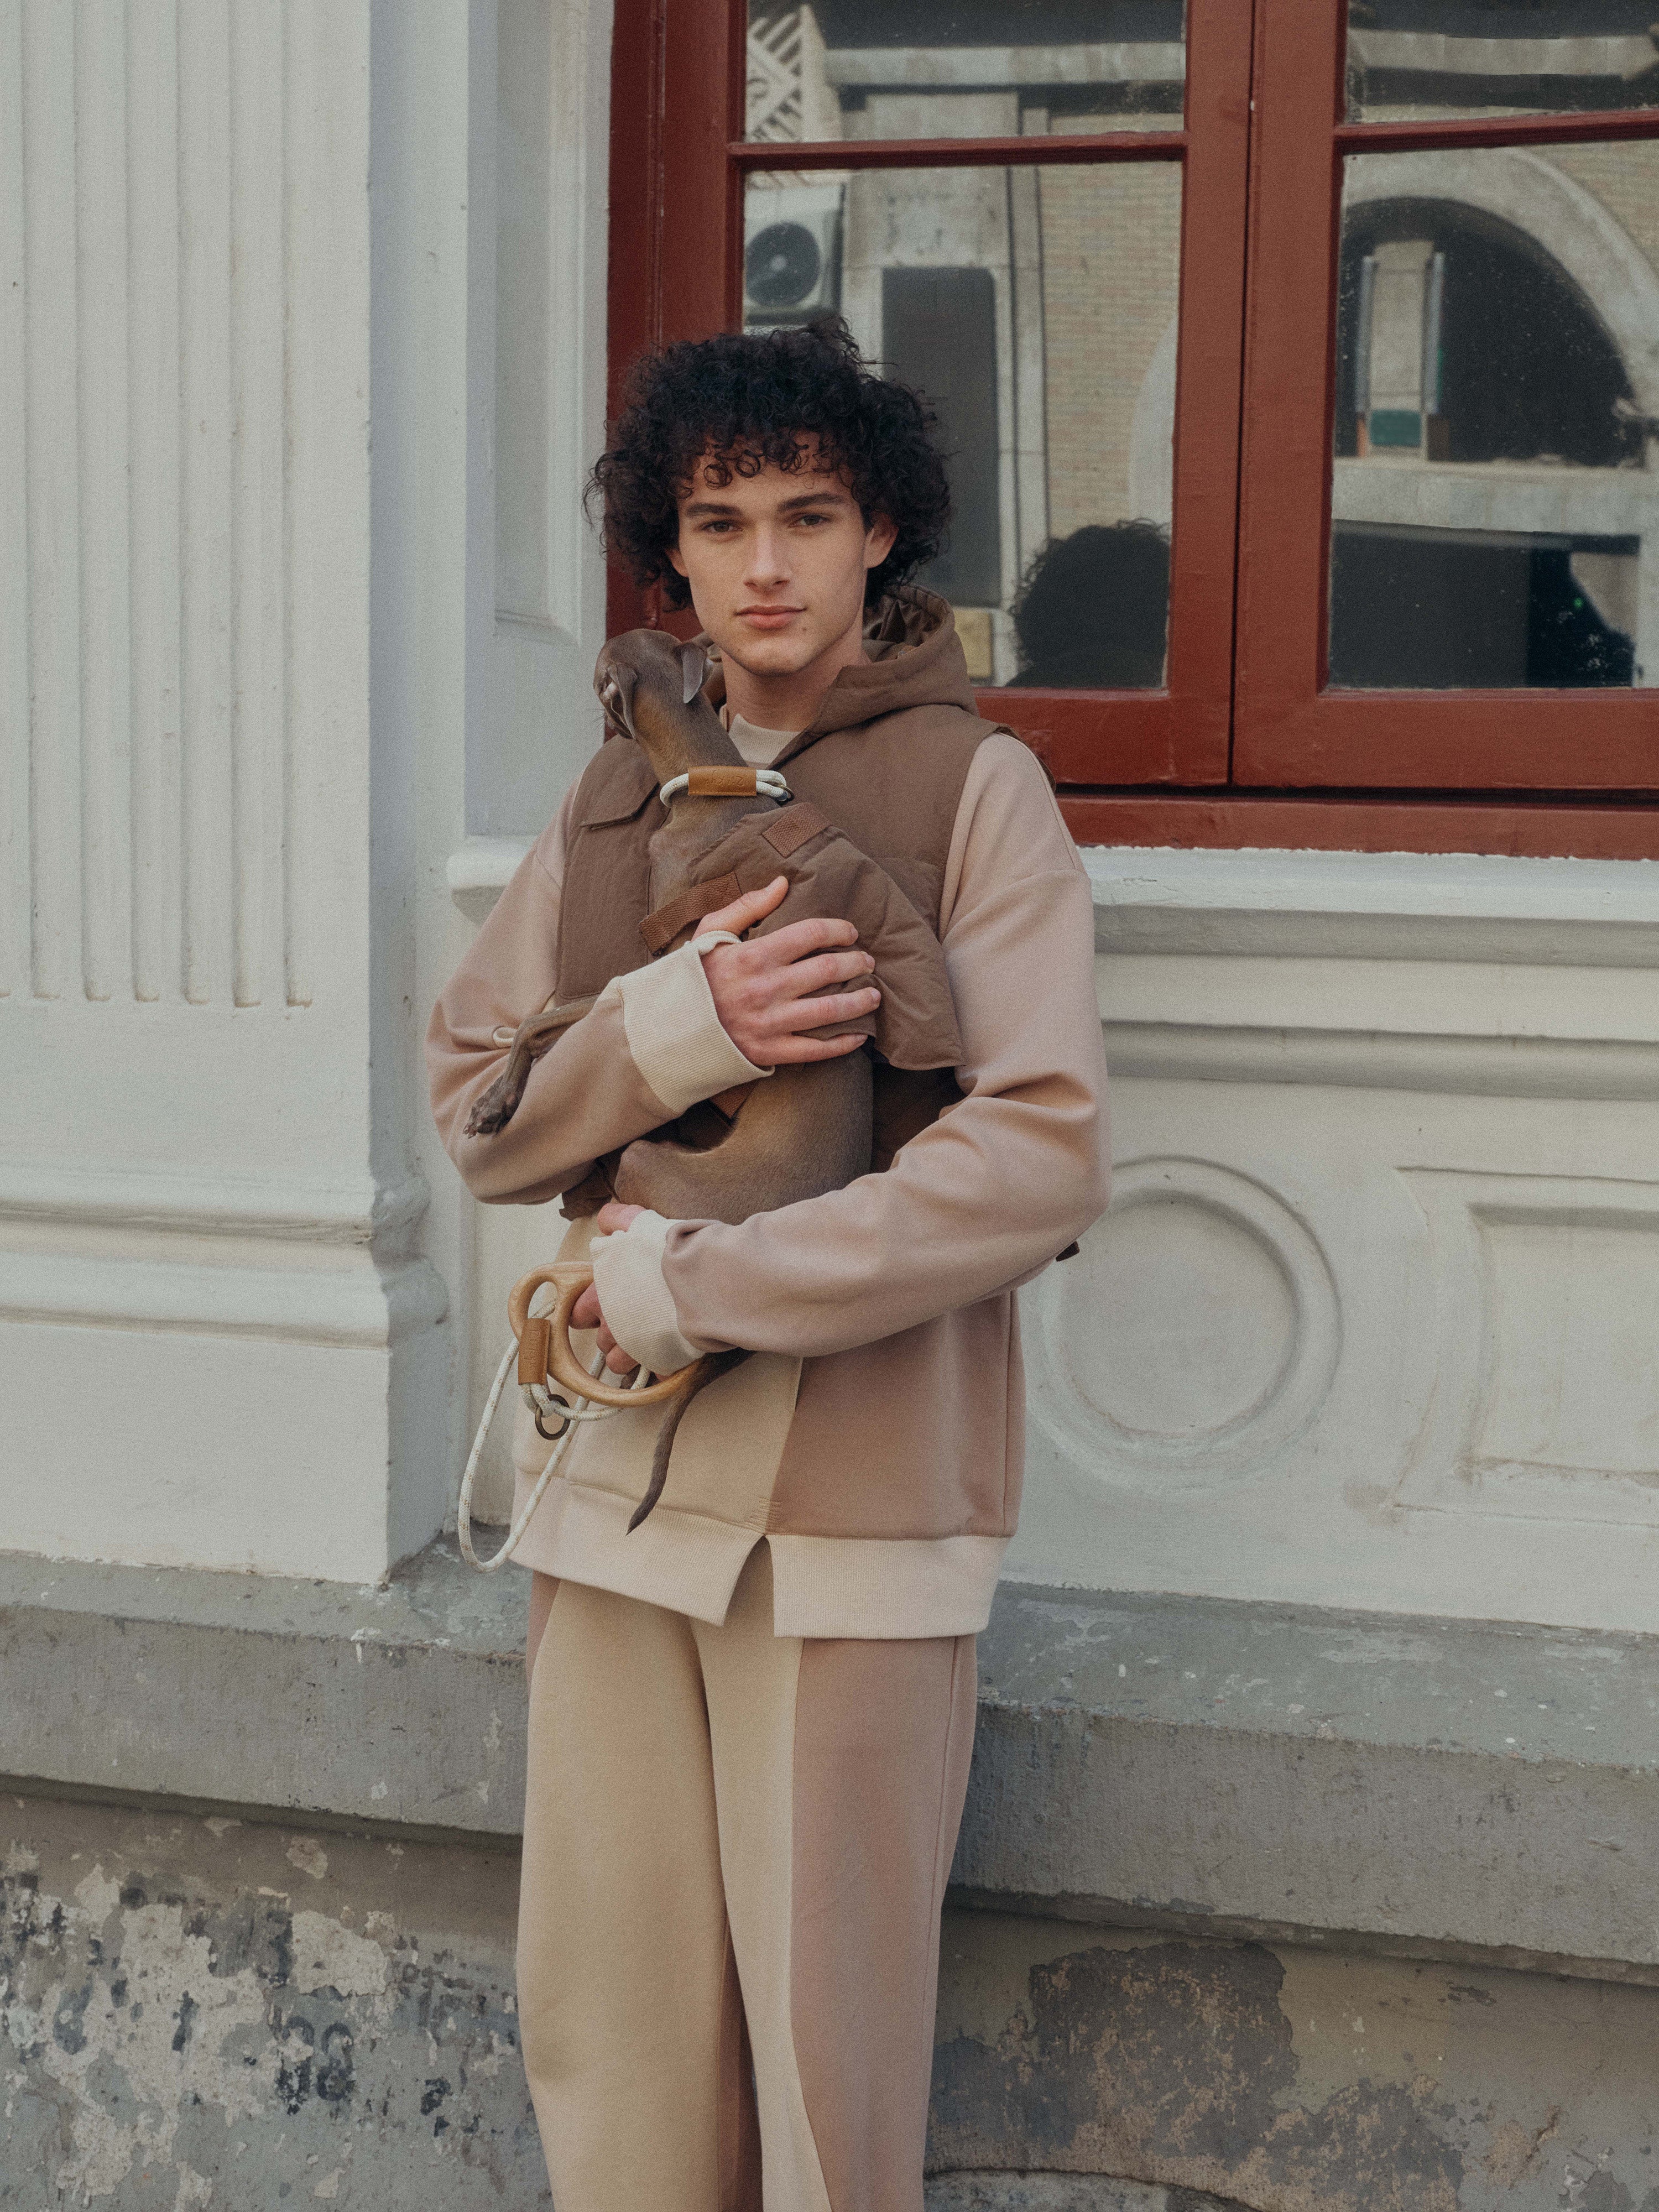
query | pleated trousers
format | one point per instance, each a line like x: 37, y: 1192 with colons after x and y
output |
x: 736, y: 1847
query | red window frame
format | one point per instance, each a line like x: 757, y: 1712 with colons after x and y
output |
x: 1291, y: 730
x: 1244, y: 745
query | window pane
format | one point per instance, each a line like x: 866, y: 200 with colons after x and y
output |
x: 962, y: 69
x: 1409, y: 58
x: 1036, y: 307
x: 1497, y: 405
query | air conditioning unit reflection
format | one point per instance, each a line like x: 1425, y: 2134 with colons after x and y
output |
x: 791, y: 253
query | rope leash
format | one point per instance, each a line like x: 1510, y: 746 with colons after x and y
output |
x: 542, y: 1401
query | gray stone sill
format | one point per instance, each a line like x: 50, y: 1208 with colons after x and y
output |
x: 1455, y: 1787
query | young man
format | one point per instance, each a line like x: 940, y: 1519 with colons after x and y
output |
x: 750, y: 1720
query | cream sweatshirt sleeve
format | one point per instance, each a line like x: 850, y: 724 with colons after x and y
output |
x: 999, y: 1185
x: 652, y: 1046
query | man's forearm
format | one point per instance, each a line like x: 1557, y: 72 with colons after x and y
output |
x: 994, y: 1190
x: 979, y: 1202
x: 650, y: 1047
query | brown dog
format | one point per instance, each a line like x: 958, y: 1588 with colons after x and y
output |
x: 804, y: 1130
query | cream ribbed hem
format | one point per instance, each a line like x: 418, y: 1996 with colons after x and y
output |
x: 873, y: 1587
x: 637, y: 1303
x: 866, y: 1588
x: 676, y: 1559
x: 675, y: 1034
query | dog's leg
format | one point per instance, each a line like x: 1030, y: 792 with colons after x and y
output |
x: 536, y: 1035
x: 707, y: 1371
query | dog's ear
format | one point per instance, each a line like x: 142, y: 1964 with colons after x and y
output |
x: 694, y: 673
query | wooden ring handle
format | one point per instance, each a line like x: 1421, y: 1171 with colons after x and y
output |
x: 571, y: 1278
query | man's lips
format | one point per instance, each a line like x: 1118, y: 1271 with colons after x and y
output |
x: 768, y: 617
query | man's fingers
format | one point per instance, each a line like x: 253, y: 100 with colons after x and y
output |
x: 839, y: 1006
x: 794, y: 1052
x: 585, y: 1314
x: 618, y: 1361
x: 822, y: 973
x: 796, y: 939
x: 743, y: 913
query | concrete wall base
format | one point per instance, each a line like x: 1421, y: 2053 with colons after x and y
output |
x: 204, y: 2011
x: 200, y: 2010
x: 1286, y: 2078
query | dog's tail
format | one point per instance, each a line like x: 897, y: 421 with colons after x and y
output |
x: 707, y: 1371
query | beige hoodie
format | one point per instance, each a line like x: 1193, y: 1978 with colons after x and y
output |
x: 877, y: 1440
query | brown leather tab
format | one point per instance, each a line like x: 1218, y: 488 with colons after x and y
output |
x: 721, y: 783
x: 663, y: 927
x: 533, y: 1350
x: 788, y: 831
x: 729, y: 1103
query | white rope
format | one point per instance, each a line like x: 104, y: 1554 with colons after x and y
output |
x: 544, y: 1401
x: 768, y: 784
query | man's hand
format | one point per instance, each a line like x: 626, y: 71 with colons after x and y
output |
x: 585, y: 1314
x: 766, y: 992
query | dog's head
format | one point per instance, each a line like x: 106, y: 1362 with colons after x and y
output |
x: 648, y: 683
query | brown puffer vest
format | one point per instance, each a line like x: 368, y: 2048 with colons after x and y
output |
x: 886, y: 791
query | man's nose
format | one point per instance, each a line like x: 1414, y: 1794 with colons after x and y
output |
x: 768, y: 560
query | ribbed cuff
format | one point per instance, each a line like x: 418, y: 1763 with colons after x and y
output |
x: 674, y: 1032
x: 637, y: 1303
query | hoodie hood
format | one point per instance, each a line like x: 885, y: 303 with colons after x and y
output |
x: 915, y: 659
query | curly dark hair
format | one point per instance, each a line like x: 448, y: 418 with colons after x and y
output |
x: 781, y: 397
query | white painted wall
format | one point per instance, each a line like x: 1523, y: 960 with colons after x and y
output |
x: 1371, y: 1320
x: 296, y: 615
x: 247, y: 385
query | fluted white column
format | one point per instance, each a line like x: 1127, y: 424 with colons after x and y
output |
x: 219, y: 1342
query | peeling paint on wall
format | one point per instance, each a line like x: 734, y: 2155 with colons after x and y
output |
x: 1292, y: 2081
x: 248, y: 2018
x: 205, y: 2015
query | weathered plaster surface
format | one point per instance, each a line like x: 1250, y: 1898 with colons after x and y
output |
x: 202, y: 2011
x: 197, y: 2012
x: 1267, y: 1771
x: 1289, y: 2079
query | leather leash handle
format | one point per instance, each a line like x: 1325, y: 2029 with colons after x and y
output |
x: 544, y: 1346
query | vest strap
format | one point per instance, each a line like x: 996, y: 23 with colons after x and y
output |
x: 786, y: 833
x: 661, y: 928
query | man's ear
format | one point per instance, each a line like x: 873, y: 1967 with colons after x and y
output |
x: 694, y: 671
x: 677, y: 560
x: 879, y: 540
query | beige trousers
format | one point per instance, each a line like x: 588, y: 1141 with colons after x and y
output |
x: 736, y: 1845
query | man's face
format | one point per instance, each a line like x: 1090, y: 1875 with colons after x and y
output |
x: 776, y: 563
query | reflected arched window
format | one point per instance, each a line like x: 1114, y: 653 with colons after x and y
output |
x: 1472, y: 376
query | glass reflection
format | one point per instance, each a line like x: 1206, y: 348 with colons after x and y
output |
x: 1409, y: 58
x: 1036, y: 307
x: 962, y: 69
x: 1492, y: 509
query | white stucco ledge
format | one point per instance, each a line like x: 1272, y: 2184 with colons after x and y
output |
x: 1437, y: 1787
x: 1377, y: 906
x: 1367, y: 906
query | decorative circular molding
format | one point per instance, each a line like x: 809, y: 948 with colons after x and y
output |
x: 1195, y: 1334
